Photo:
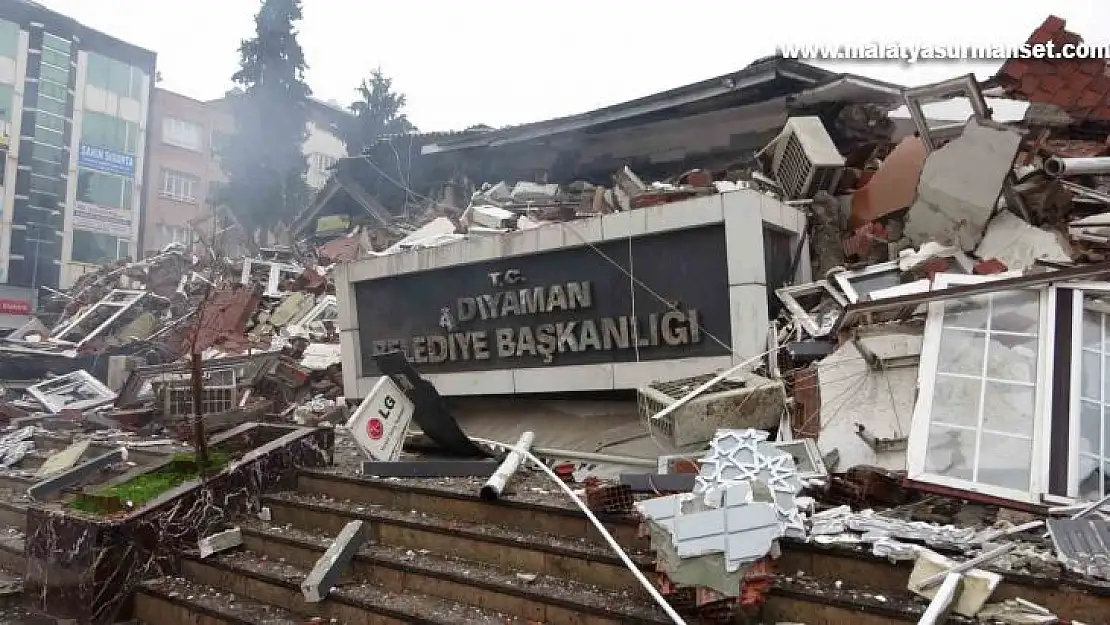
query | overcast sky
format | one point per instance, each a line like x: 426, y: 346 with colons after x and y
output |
x: 503, y: 62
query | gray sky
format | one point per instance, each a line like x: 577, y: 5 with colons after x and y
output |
x: 503, y: 62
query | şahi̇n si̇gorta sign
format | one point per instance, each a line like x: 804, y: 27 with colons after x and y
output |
x: 570, y: 306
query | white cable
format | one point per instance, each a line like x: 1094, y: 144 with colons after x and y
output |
x: 648, y: 586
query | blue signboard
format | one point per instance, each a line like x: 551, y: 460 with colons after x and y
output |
x: 106, y: 161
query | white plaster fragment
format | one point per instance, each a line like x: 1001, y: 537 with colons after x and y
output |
x: 1017, y: 244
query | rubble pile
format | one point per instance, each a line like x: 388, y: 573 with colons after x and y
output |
x: 119, y: 354
x: 953, y: 335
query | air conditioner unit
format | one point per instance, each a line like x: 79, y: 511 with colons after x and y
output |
x: 805, y: 159
x: 750, y: 402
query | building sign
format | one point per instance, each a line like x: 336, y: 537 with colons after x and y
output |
x: 14, y: 307
x: 570, y: 306
x: 102, y: 219
x: 106, y: 161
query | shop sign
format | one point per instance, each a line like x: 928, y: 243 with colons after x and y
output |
x: 105, y: 160
x: 102, y: 219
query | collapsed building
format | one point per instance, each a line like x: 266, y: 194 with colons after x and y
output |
x: 867, y: 349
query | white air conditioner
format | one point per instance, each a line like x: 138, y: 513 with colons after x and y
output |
x: 805, y: 159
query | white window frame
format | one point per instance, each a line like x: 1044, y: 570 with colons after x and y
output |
x: 174, y: 132
x: 120, y: 299
x: 1079, y: 289
x: 787, y: 295
x: 1042, y: 412
x: 187, y: 182
x: 80, y: 378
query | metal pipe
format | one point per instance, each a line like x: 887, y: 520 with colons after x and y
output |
x: 496, y: 483
x: 1057, y: 167
x: 635, y: 570
x: 942, y: 602
x: 962, y: 567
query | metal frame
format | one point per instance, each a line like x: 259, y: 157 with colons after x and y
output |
x: 1042, y: 381
x: 844, y: 278
x: 787, y: 294
x: 273, y: 278
x: 74, y: 379
x: 916, y: 96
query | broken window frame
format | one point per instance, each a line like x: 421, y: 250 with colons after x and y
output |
x: 915, y: 97
x: 844, y: 278
x: 274, y: 277
x: 917, y: 451
x: 75, y: 378
x: 787, y: 296
x: 121, y: 306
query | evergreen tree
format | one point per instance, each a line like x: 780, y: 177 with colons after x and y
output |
x: 263, y: 159
x: 377, y: 112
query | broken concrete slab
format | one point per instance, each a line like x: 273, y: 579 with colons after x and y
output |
x: 329, y: 568
x: 978, y: 585
x: 75, y: 475
x: 64, y: 459
x: 220, y: 541
x: 1018, y: 245
x: 960, y: 186
x: 430, y: 468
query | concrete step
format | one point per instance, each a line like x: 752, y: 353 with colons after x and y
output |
x: 178, y: 601
x: 508, y: 549
x: 453, y: 577
x: 251, y: 575
x: 547, y: 512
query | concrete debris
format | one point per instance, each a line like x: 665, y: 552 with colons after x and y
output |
x: 960, y: 185
x: 974, y: 592
x: 329, y: 568
x: 220, y: 542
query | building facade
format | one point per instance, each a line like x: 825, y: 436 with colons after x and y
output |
x: 184, y: 161
x: 73, y: 114
x: 184, y: 167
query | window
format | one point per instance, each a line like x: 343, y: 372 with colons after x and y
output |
x: 216, y: 143
x: 321, y: 162
x: 56, y: 44
x: 1093, y: 356
x: 56, y: 59
x: 50, y: 121
x: 7, y: 93
x: 179, y: 186
x: 979, y: 411
x: 48, y: 136
x: 9, y: 39
x: 53, y: 91
x: 95, y: 249
x: 104, y: 189
x: 175, y: 234
x: 115, y: 76
x: 181, y: 133
x: 51, y: 105
x: 109, y: 132
x: 54, y: 74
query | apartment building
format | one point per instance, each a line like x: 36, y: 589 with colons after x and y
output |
x: 185, y: 164
x: 73, y: 112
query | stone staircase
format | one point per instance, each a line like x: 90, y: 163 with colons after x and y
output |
x: 438, y: 555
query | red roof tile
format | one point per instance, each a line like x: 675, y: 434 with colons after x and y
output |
x: 1082, y: 88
